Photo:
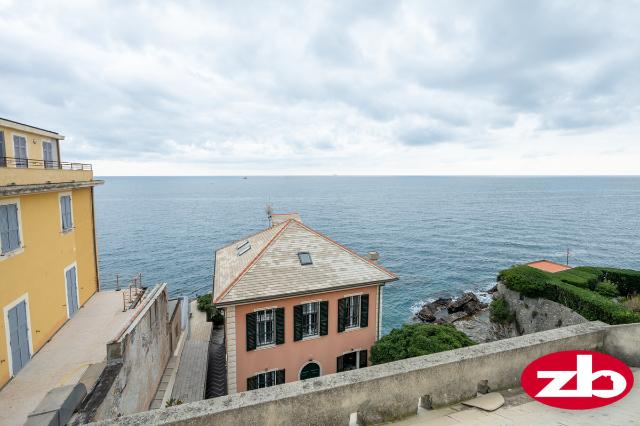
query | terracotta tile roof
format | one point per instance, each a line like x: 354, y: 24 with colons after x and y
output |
x: 274, y: 270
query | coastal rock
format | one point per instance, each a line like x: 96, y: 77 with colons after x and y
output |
x: 433, y: 311
x: 468, y: 303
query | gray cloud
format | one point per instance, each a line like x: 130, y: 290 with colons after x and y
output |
x: 345, y: 83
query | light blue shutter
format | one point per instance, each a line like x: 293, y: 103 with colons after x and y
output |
x: 14, y: 340
x: 65, y: 210
x: 4, y: 229
x: 14, y: 228
x: 72, y: 291
x: 69, y: 213
x: 24, y: 333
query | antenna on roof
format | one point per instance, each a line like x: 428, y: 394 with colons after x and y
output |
x: 269, y: 211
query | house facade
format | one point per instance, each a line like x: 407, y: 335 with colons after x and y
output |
x: 48, y: 259
x: 297, y: 305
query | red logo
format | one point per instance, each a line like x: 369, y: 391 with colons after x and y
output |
x: 577, y: 380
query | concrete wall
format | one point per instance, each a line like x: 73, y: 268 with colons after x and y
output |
x: 36, y: 271
x: 391, y: 391
x: 538, y: 314
x: 143, y: 349
x: 175, y: 323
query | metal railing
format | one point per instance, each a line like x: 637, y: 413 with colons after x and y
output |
x: 132, y: 292
x: 30, y: 163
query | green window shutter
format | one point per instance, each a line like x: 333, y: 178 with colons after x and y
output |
x: 279, y: 326
x: 324, y: 318
x: 342, y: 312
x: 363, y: 359
x: 252, y: 383
x: 364, y: 310
x: 251, y: 331
x: 340, y: 363
x: 297, y: 323
x: 280, y: 377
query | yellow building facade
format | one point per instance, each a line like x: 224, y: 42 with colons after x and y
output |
x: 48, y: 256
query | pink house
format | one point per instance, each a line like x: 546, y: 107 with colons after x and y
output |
x: 297, y: 305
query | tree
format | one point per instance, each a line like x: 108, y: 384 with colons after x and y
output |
x: 417, y: 339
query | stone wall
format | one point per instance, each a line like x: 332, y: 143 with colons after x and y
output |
x: 142, y: 350
x: 537, y: 314
x: 392, y: 391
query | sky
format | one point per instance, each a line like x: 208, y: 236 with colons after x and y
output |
x: 511, y: 87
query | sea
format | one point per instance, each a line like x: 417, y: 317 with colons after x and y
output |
x: 442, y: 236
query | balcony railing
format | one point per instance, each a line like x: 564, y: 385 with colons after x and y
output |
x: 30, y: 163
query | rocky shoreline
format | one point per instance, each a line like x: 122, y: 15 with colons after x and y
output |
x: 468, y: 314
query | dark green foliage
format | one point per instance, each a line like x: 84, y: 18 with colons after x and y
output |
x: 627, y: 280
x: 500, y: 312
x: 525, y: 280
x: 417, y: 339
x: 213, y: 314
x: 607, y: 289
x: 563, y: 287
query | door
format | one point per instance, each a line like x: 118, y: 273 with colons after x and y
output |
x: 47, y: 154
x: 310, y: 371
x: 20, y: 151
x: 19, y: 337
x: 72, y: 291
x: 3, y: 152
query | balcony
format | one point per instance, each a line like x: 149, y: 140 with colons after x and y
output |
x: 29, y: 171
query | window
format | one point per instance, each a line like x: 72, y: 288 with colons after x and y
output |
x: 243, y: 248
x: 353, y: 311
x: 48, y: 155
x: 9, y: 228
x: 20, y: 151
x: 309, y: 371
x: 305, y: 258
x: 352, y: 361
x: 265, y: 380
x: 310, y: 313
x: 265, y: 327
x: 66, y: 213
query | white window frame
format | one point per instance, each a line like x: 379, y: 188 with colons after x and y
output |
x: 273, y: 327
x: 73, y: 226
x: 264, y: 373
x: 305, y: 333
x: 7, y: 308
x: 20, y: 249
x: 350, y: 324
x: 26, y: 149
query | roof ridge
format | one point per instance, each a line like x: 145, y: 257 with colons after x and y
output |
x: 253, y: 261
x: 348, y: 250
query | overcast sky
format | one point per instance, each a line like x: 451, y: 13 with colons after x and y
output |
x: 370, y: 87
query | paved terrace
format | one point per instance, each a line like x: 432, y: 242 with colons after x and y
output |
x: 520, y: 409
x: 82, y: 341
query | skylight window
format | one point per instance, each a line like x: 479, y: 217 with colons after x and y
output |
x: 242, y: 248
x: 305, y: 258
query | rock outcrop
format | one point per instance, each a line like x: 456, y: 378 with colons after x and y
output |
x: 450, y: 310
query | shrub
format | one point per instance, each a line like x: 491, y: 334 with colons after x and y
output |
x: 525, y: 280
x: 204, y: 302
x: 627, y: 280
x: 499, y: 311
x: 417, y: 339
x: 213, y: 314
x: 591, y: 305
x: 607, y: 289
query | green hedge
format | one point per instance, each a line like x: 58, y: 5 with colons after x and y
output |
x: 627, y: 280
x: 417, y: 339
x: 536, y: 283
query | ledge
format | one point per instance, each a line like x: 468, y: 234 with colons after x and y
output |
x: 8, y: 190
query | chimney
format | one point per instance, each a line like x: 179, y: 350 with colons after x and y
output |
x: 373, y: 256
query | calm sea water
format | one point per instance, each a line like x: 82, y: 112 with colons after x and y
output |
x: 440, y: 235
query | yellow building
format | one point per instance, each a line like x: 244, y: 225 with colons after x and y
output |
x: 48, y: 258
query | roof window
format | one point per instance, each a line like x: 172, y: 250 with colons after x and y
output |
x: 242, y: 248
x: 305, y: 258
